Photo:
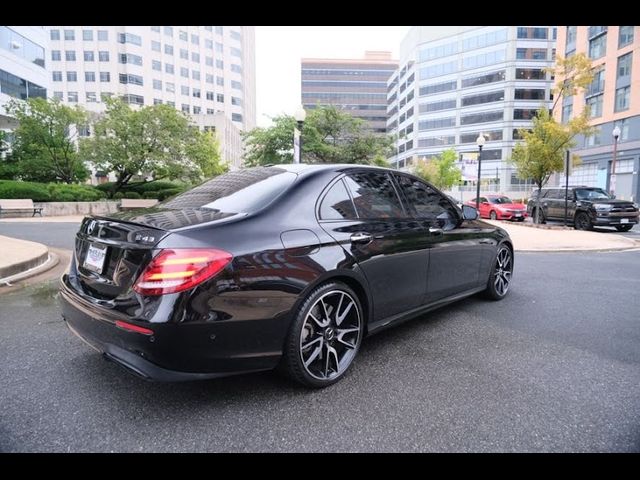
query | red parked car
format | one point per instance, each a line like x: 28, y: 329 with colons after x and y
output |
x: 499, y: 207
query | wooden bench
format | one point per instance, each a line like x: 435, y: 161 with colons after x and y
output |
x: 128, y: 203
x: 19, y: 205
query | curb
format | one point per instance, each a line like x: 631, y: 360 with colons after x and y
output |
x: 25, y: 265
x: 52, y: 259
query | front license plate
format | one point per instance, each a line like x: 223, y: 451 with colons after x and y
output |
x: 518, y: 214
x: 624, y: 220
x: 95, y: 258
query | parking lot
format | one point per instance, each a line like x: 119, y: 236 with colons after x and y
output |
x: 553, y: 367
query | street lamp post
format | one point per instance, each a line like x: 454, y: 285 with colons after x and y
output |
x: 300, y: 115
x: 612, y: 179
x: 480, y: 142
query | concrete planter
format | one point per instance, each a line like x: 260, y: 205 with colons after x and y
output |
x: 54, y: 209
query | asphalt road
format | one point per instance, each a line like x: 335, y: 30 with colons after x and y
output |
x: 53, y: 234
x: 555, y: 367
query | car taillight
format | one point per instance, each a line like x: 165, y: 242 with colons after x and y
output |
x: 172, y: 271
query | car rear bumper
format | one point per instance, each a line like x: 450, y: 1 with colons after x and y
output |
x: 173, y: 352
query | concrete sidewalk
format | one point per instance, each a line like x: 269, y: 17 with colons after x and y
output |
x: 20, y: 256
x: 61, y: 219
x: 532, y: 239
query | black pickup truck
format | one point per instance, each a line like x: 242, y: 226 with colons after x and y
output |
x: 587, y: 207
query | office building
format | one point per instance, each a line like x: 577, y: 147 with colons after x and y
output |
x: 614, y: 101
x: 357, y: 86
x: 455, y: 83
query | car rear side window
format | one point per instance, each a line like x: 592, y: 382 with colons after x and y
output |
x: 428, y: 204
x: 374, y: 195
x: 242, y: 191
x: 336, y: 204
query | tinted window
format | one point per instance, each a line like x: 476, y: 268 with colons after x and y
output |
x: 591, y: 194
x: 374, y: 195
x: 243, y: 191
x: 336, y: 204
x: 500, y: 200
x: 426, y: 203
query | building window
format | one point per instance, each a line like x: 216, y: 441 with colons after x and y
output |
x: 195, y: 57
x: 156, y: 65
x: 211, y: 111
x: 196, y: 110
x: 89, y: 76
x: 220, y: 81
x: 238, y: 102
x: 209, y: 61
x: 491, y: 77
x: 208, y: 44
x: 168, y: 31
x: 524, y: 113
x: 195, y: 39
x: 533, y: 33
x: 598, y: 47
x: 54, y: 34
x: 55, y: 55
x: 133, y: 99
x: 72, y: 97
x: 89, y: 56
x: 103, y: 36
x: 130, y: 58
x: 622, y: 99
x: 103, y: 56
x: 219, y: 47
x: 72, y: 76
x: 436, y: 141
x: 567, y: 110
x: 156, y: 46
x: 236, y: 68
x: 58, y: 95
x: 70, y: 55
x: 436, y: 106
x: 157, y: 84
x: 155, y: 29
x: 530, y: 74
x: 597, y: 85
x: 487, y: 97
x: 219, y: 64
x: 437, y: 88
x: 236, y: 35
x: 220, y: 97
x: 131, y: 79
x: 170, y: 87
x: 529, y: 94
x: 624, y: 65
x: 168, y: 68
x: 438, y: 70
x: 235, y: 52
x: 595, y: 105
x: 87, y: 35
x: 624, y: 128
x: 195, y: 74
x: 210, y: 96
x: 57, y: 76
x: 168, y: 49
x: 437, y: 123
x: 69, y: 35
x: 219, y: 30
x: 182, y: 35
x: 236, y: 117
x: 531, y: 53
x: 91, y: 97
x: 196, y: 92
x: 236, y: 85
x: 157, y: 101
x: 105, y: 77
x: 184, y: 72
x: 482, y: 117
x: 184, y: 54
x: 209, y: 78
x: 130, y: 38
x: 625, y: 36
x: 490, y: 136
x: 184, y: 90
x: 105, y: 95
x: 185, y: 108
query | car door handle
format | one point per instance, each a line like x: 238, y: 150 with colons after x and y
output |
x: 486, y: 241
x: 361, y: 237
x: 436, y: 231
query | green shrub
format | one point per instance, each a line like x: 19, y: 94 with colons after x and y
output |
x: 118, y: 196
x: 143, y: 187
x: 150, y: 195
x: 132, y: 195
x: 170, y: 192
x: 74, y: 193
x: 16, y: 189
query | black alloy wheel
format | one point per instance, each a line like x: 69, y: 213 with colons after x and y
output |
x: 500, y: 277
x: 325, y: 336
x: 582, y: 222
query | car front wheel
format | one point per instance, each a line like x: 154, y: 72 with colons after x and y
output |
x: 501, y: 273
x: 493, y: 215
x: 325, y: 336
x: 582, y: 222
x: 624, y: 228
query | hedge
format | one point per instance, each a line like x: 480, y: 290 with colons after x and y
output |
x: 51, y: 192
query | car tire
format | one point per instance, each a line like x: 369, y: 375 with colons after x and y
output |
x: 501, y: 274
x: 324, y: 337
x: 493, y: 215
x: 582, y: 222
x: 624, y: 228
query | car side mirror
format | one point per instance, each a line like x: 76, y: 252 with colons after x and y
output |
x: 469, y: 213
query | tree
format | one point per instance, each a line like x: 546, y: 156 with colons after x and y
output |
x: 541, y: 151
x: 154, y: 140
x: 44, y: 149
x: 441, y: 172
x: 329, y: 136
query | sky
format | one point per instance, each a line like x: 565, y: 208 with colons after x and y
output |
x: 279, y: 50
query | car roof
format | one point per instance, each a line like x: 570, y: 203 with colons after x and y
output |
x: 308, y: 167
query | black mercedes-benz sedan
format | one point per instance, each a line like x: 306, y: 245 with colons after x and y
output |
x: 288, y: 265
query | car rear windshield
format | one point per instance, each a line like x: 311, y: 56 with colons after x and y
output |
x: 500, y: 200
x: 242, y: 191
